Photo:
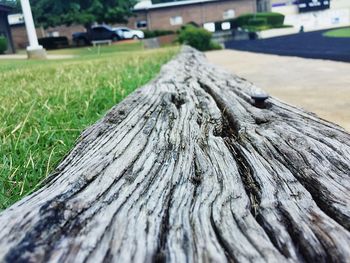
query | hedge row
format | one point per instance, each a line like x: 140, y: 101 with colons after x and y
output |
x: 255, y: 22
x: 270, y: 19
x: 3, y: 44
x: 157, y: 33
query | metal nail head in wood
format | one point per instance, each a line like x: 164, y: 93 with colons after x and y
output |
x: 259, y: 100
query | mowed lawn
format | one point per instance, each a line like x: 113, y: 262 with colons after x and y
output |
x: 46, y: 104
x: 342, y: 32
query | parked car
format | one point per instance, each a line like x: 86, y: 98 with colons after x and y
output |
x: 101, y: 32
x: 127, y: 33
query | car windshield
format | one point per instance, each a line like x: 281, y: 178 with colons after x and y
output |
x: 121, y: 28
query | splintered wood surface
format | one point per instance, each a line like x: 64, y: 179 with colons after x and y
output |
x: 187, y: 169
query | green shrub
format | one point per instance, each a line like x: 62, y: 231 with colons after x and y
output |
x: 242, y: 20
x: 270, y: 19
x: 157, y: 33
x: 273, y: 19
x: 254, y: 29
x: 214, y: 46
x: 3, y: 44
x: 257, y: 22
x: 198, y: 38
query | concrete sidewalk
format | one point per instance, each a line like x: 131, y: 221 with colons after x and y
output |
x: 320, y: 86
x: 24, y: 56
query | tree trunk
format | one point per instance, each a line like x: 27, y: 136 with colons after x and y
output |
x: 188, y: 169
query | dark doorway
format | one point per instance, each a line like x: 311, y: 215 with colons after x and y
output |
x: 5, y: 27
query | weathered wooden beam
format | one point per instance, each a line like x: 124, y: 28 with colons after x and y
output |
x: 188, y: 169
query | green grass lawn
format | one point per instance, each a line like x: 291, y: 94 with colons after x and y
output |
x: 342, y: 32
x: 104, y: 49
x: 46, y: 104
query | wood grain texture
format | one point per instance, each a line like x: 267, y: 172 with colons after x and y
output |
x: 186, y: 169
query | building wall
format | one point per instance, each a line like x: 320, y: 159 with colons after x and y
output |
x: 198, y: 13
x: 64, y: 31
x: 19, y: 36
x: 337, y: 4
x: 288, y: 7
x: 263, y: 5
x: 139, y: 16
x: 20, y: 39
x: 311, y: 21
x: 337, y: 16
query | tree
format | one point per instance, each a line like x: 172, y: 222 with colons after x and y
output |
x: 52, y: 13
x: 8, y: 2
x: 12, y: 3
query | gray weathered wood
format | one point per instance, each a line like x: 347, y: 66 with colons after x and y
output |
x: 187, y: 169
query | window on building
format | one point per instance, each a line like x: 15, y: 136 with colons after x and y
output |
x: 53, y: 34
x: 228, y: 14
x: 141, y: 24
x: 209, y: 26
x: 225, y: 26
x: 176, y: 20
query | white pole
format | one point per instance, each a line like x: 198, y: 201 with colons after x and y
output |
x: 34, y: 50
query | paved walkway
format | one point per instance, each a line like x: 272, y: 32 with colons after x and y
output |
x: 24, y: 56
x: 320, y: 86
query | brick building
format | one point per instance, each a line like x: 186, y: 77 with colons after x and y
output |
x: 20, y: 38
x: 172, y: 15
x: 19, y: 33
x: 168, y: 16
x: 5, y: 28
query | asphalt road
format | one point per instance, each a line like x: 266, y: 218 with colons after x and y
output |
x: 306, y: 45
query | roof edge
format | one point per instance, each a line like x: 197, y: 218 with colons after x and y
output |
x: 176, y: 3
x: 5, y: 8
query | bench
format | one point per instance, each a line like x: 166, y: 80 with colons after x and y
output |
x: 101, y: 42
x: 195, y: 166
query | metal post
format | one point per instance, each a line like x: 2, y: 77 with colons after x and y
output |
x: 34, y: 50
